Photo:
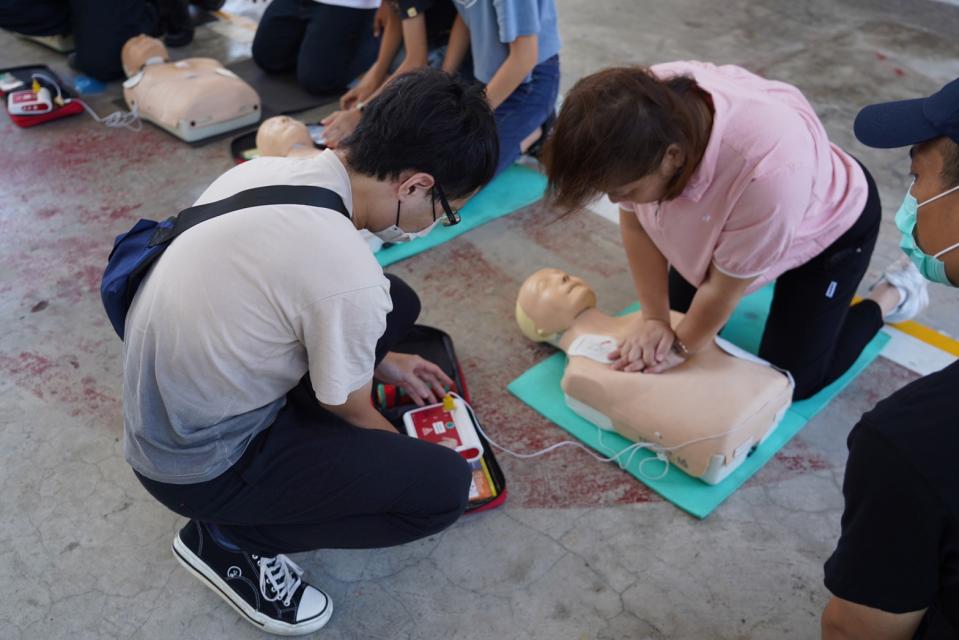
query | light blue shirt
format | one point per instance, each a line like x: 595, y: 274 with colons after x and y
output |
x: 493, y: 24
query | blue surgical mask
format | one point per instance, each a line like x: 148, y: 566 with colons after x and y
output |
x: 931, y: 267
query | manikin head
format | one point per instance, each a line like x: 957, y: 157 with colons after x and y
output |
x: 283, y: 136
x: 548, y: 303
x: 140, y: 51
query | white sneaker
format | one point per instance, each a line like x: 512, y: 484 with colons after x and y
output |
x: 912, y: 287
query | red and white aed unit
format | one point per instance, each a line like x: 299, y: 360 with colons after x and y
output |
x: 34, y: 95
x: 449, y: 424
x: 28, y: 102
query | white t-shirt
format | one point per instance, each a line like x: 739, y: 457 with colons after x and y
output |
x: 353, y: 4
x: 236, y: 311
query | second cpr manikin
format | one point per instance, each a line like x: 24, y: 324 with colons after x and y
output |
x: 193, y: 99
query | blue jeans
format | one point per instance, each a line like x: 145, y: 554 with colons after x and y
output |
x: 526, y: 109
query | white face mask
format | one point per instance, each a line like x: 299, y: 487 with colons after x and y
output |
x: 393, y: 234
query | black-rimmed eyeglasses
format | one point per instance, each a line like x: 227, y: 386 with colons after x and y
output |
x: 452, y: 217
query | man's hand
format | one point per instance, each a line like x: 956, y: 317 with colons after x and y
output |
x: 419, y: 378
x: 650, y: 346
x: 339, y: 125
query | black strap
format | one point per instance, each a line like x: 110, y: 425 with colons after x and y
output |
x: 257, y: 197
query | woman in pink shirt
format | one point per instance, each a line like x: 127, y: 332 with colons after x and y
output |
x: 727, y: 181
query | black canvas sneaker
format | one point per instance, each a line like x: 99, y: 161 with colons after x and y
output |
x: 268, y: 592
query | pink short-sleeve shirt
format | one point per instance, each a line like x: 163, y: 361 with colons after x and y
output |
x: 771, y: 191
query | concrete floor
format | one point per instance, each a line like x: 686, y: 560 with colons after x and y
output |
x: 581, y: 550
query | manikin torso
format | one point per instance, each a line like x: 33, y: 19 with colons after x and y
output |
x: 192, y: 98
x: 733, y: 402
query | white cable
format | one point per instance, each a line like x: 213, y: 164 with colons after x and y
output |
x: 126, y: 119
x: 632, y: 449
x: 50, y: 79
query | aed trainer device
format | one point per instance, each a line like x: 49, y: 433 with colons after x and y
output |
x: 28, y: 102
x: 449, y: 424
x: 34, y: 95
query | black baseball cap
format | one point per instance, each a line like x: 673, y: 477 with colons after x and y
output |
x: 907, y: 122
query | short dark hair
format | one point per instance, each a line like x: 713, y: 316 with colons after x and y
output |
x: 428, y: 121
x: 950, y: 162
x: 615, y: 127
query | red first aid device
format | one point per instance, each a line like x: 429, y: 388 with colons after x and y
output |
x: 30, y: 103
x: 42, y: 99
x: 447, y: 423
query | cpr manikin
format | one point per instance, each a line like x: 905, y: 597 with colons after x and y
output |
x: 193, y: 99
x: 285, y: 137
x: 705, y: 415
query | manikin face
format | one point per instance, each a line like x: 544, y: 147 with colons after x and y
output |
x: 140, y: 50
x: 552, y: 299
x: 281, y: 135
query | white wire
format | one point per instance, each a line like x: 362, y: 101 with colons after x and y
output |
x: 50, y: 79
x: 631, y: 449
x: 659, y: 450
x: 126, y: 119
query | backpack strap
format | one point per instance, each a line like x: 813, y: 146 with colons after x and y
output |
x: 257, y: 197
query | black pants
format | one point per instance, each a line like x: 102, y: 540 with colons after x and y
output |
x: 312, y: 481
x: 328, y: 45
x: 99, y: 28
x: 812, y: 332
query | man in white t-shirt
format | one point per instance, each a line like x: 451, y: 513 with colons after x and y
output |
x: 251, y: 346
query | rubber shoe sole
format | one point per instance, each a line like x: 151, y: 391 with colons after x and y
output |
x: 192, y: 563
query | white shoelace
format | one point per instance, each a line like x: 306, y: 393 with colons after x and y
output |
x: 282, y: 574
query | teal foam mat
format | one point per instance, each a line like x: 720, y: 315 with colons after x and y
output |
x: 539, y: 387
x: 513, y: 189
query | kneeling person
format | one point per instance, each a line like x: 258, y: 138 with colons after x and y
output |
x: 251, y: 347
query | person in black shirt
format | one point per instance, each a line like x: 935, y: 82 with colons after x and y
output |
x: 895, y: 571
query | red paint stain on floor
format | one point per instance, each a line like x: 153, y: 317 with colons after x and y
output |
x: 802, y: 462
x: 61, y: 382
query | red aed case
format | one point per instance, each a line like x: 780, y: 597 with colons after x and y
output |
x: 27, y: 109
x: 488, y: 489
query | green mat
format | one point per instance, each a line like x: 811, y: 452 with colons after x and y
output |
x: 513, y: 189
x: 539, y: 387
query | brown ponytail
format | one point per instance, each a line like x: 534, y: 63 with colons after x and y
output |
x: 614, y: 128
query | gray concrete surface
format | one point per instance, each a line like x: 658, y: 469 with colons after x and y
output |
x: 580, y: 551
